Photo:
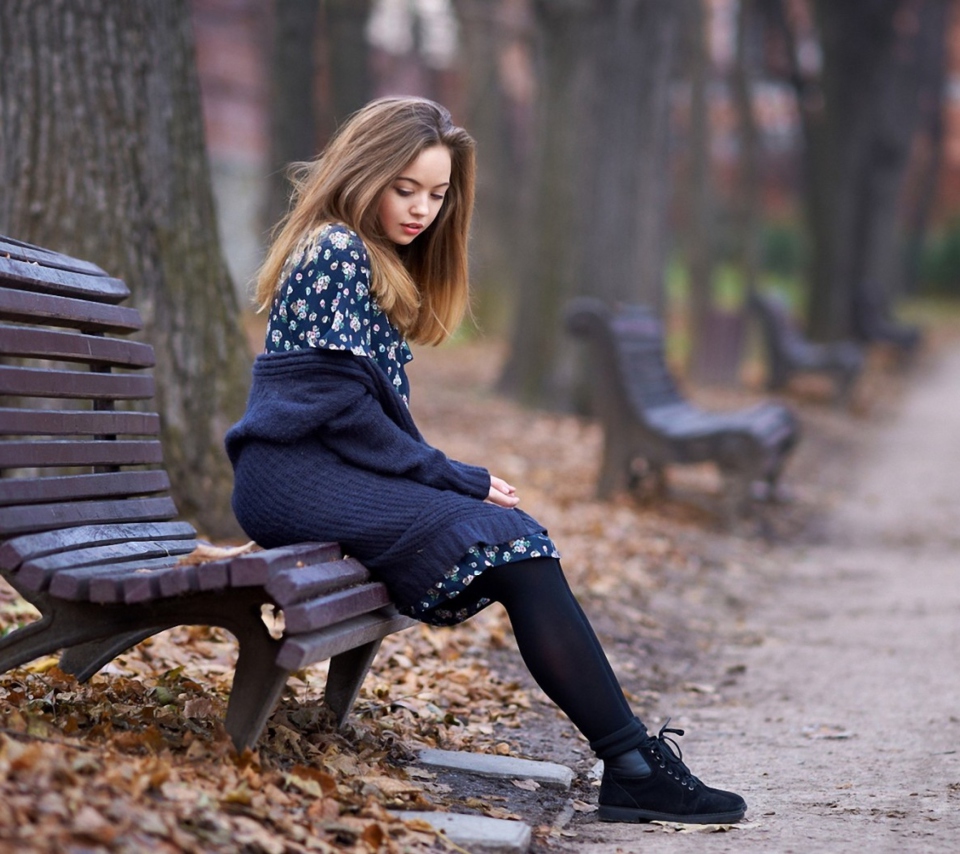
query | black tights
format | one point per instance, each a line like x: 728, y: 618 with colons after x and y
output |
x: 560, y: 649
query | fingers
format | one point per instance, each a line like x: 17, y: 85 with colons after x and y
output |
x: 502, y: 493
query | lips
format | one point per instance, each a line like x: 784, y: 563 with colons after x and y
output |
x: 411, y: 227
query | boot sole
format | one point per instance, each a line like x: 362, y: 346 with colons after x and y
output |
x: 633, y: 814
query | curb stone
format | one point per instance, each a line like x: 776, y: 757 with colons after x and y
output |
x: 476, y: 833
x: 548, y: 774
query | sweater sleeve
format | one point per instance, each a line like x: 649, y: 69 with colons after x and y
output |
x: 358, y: 430
x: 347, y: 403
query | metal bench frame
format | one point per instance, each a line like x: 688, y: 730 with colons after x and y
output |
x: 88, y: 531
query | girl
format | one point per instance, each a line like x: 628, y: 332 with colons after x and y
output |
x: 374, y: 254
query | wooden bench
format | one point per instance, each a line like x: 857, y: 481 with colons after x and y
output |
x: 790, y: 354
x: 88, y: 531
x: 648, y: 424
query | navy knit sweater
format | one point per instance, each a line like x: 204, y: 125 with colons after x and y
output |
x: 328, y: 451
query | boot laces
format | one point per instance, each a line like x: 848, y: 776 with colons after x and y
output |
x: 668, y: 756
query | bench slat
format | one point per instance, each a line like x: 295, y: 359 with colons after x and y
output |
x: 292, y: 586
x: 302, y: 650
x: 44, y: 382
x: 43, y: 490
x: 33, y: 546
x: 102, y: 583
x: 45, y: 517
x: 176, y: 583
x: 36, y: 573
x: 88, y: 452
x: 257, y: 567
x: 38, y: 343
x: 29, y: 307
x: 68, y: 283
x: 70, y: 422
x: 49, y: 258
x: 335, y: 607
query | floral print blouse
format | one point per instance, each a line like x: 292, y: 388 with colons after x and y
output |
x: 324, y: 300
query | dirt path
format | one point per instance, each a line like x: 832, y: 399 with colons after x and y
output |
x: 842, y: 728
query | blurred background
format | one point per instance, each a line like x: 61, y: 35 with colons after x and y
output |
x: 701, y: 148
x: 687, y: 155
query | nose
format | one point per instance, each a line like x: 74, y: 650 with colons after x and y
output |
x: 420, y: 206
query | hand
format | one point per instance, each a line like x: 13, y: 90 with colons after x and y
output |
x: 501, y: 493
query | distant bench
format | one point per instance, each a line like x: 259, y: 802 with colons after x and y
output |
x: 648, y: 424
x: 88, y: 532
x: 790, y: 354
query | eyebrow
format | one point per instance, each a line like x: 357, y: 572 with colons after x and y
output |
x: 415, y: 181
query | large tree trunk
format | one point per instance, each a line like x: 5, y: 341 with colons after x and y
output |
x: 627, y: 168
x: 497, y: 110
x: 860, y: 117
x: 600, y: 197
x: 293, y: 102
x: 751, y: 168
x: 350, y: 83
x: 550, y: 264
x: 698, y: 197
x: 102, y: 156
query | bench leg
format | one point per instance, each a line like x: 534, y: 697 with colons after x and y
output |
x: 257, y: 685
x: 615, y: 473
x: 86, y: 659
x: 63, y: 625
x: 346, y: 675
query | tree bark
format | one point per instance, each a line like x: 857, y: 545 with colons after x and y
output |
x: 103, y: 157
x: 350, y: 80
x: 699, y: 198
x: 497, y: 118
x: 601, y: 186
x: 293, y: 101
x: 627, y: 168
x: 550, y: 264
x: 860, y: 115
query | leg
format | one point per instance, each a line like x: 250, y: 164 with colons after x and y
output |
x: 644, y: 780
x: 558, y: 645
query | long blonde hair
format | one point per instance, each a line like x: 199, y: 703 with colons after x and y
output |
x: 423, y: 287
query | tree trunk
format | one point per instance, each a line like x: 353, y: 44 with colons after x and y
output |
x: 860, y: 118
x: 350, y: 82
x: 932, y: 107
x: 103, y: 157
x: 698, y: 197
x: 495, y: 110
x: 293, y: 105
x: 600, y: 191
x: 550, y: 264
x: 748, y: 217
x: 627, y: 168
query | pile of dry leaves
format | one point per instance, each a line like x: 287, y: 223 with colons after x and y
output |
x: 137, y: 758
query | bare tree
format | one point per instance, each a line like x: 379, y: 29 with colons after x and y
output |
x: 102, y: 156
x: 598, y: 220
x: 293, y: 98
x: 860, y: 108
x: 497, y: 109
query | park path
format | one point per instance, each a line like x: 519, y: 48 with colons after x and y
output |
x: 843, y: 729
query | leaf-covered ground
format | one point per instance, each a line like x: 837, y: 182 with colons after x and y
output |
x: 137, y: 758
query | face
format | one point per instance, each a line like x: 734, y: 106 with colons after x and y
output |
x: 413, y: 200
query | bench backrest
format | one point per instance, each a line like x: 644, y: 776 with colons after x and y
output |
x: 81, y: 478
x: 780, y: 331
x: 629, y: 359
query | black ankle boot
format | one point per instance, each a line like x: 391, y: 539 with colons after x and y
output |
x: 651, y: 783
